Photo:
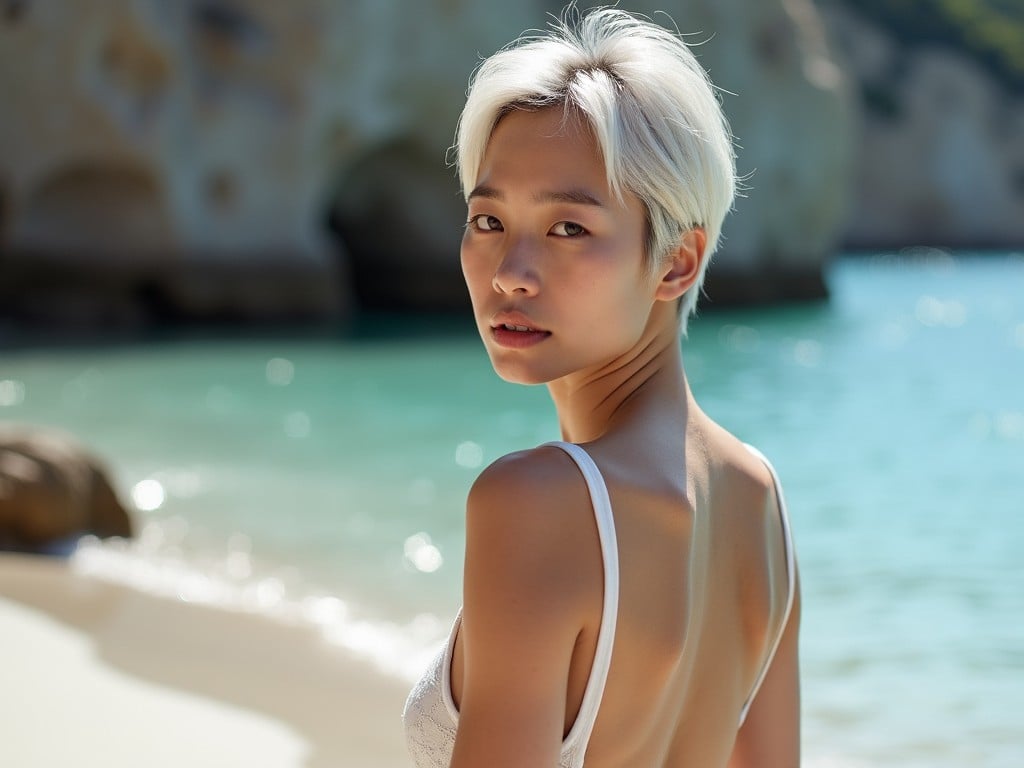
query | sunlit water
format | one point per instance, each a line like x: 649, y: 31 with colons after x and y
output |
x: 323, y: 481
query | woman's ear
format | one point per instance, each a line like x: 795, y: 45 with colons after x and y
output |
x: 682, y: 270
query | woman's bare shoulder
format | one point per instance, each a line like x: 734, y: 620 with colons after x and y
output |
x: 527, y: 516
x: 531, y: 494
x: 524, y: 607
x: 537, y: 471
x: 738, y: 463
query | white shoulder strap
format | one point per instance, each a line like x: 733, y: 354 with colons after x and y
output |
x: 581, y: 729
x: 787, y: 536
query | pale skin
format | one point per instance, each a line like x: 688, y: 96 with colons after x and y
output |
x: 703, y: 578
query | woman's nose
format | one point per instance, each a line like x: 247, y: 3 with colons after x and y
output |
x: 517, y: 271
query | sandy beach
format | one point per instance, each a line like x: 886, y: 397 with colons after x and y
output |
x: 96, y: 674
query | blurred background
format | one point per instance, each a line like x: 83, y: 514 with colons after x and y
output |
x: 229, y: 281
x: 256, y: 161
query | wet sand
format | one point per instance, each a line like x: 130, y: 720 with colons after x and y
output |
x: 96, y: 674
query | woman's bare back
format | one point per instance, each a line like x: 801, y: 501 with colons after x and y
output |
x: 703, y: 583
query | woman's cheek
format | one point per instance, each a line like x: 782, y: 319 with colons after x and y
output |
x: 474, y: 270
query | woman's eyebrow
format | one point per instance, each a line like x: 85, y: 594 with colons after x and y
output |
x: 577, y: 196
x: 482, y: 190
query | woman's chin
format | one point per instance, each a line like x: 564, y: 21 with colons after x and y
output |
x: 517, y: 373
x: 518, y: 378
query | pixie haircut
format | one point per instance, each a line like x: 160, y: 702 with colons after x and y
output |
x: 651, y: 108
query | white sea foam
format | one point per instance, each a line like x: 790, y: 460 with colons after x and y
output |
x: 156, y: 564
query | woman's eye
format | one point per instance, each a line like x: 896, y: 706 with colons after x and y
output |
x: 568, y: 229
x: 485, y: 222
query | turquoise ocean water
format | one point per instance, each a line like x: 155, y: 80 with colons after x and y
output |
x: 322, y: 481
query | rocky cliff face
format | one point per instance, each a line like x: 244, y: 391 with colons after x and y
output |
x: 941, y: 145
x: 258, y: 158
x: 158, y: 153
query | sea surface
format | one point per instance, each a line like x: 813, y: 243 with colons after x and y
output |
x: 322, y: 480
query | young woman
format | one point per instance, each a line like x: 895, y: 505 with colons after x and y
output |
x: 630, y: 593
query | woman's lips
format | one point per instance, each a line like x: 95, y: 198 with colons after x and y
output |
x: 514, y: 336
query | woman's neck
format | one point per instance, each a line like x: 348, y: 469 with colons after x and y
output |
x: 590, y: 403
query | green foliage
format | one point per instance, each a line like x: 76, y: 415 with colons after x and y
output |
x: 989, y: 31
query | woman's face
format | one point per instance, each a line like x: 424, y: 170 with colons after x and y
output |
x: 553, y: 261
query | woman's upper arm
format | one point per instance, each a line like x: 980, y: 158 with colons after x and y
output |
x: 521, y: 617
x: 770, y: 736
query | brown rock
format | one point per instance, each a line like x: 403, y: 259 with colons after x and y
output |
x: 53, y: 489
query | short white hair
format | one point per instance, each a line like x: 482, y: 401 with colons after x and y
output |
x: 651, y: 107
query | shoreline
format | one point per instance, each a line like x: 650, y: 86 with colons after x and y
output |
x: 99, y: 673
